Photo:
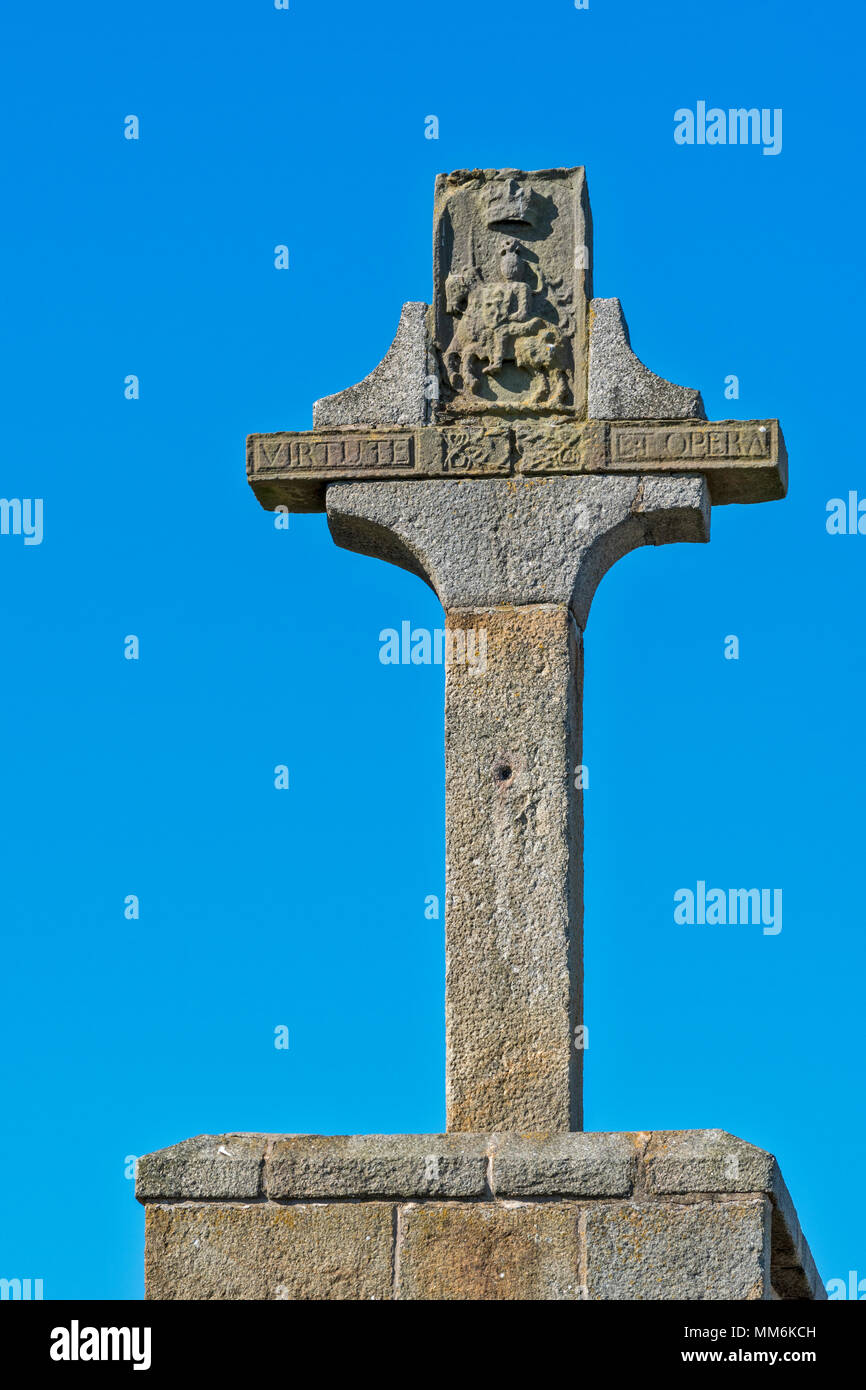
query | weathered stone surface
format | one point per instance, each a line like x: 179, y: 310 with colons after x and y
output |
x: 398, y: 390
x: 741, y: 461
x: 512, y: 274
x: 507, y: 558
x: 712, y: 1161
x: 620, y: 386
x: 564, y: 1165
x: 265, y: 1251
x: 705, y: 1250
x: 293, y: 467
x: 706, y: 1160
x: 480, y: 1251
x: 480, y: 542
x: 795, y: 1274
x: 377, y: 1165
x: 227, y: 1166
x: 542, y: 461
x: 513, y: 841
x: 668, y: 1241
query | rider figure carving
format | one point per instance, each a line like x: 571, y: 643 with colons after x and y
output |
x: 491, y: 318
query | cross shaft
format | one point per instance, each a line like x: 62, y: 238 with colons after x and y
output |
x: 508, y: 450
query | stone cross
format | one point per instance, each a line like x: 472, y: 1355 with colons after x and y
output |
x: 508, y: 450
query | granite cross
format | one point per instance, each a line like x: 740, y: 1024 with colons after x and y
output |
x: 508, y: 450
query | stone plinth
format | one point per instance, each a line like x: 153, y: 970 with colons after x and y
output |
x: 693, y: 1214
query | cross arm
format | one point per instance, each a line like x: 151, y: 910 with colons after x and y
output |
x: 742, y: 460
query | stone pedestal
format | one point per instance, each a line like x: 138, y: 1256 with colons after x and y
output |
x: 693, y: 1214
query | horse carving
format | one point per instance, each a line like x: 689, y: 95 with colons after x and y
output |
x: 494, y: 324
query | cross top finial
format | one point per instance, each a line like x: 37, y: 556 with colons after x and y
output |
x: 513, y: 369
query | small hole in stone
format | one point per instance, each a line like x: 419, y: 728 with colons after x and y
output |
x: 502, y: 772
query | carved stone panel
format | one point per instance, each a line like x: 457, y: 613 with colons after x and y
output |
x: 340, y: 453
x: 512, y: 281
x: 735, y: 440
x: 472, y: 449
x: 743, y: 460
x: 561, y: 448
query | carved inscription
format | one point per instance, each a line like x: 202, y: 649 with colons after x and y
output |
x: 741, y: 460
x: 696, y: 444
x: 459, y: 450
x: 335, y: 454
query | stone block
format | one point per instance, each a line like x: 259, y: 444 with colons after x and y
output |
x: 266, y: 1251
x: 377, y: 1165
x: 564, y: 1165
x: 227, y: 1166
x: 701, y: 1251
x: 477, y: 1251
x: 706, y: 1160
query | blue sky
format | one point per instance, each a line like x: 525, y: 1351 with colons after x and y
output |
x: 258, y: 647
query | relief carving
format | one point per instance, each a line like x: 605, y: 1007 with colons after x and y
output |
x: 323, y: 453
x: 495, y: 324
x: 671, y: 445
x: 511, y: 278
x: 475, y: 451
x: 561, y: 448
